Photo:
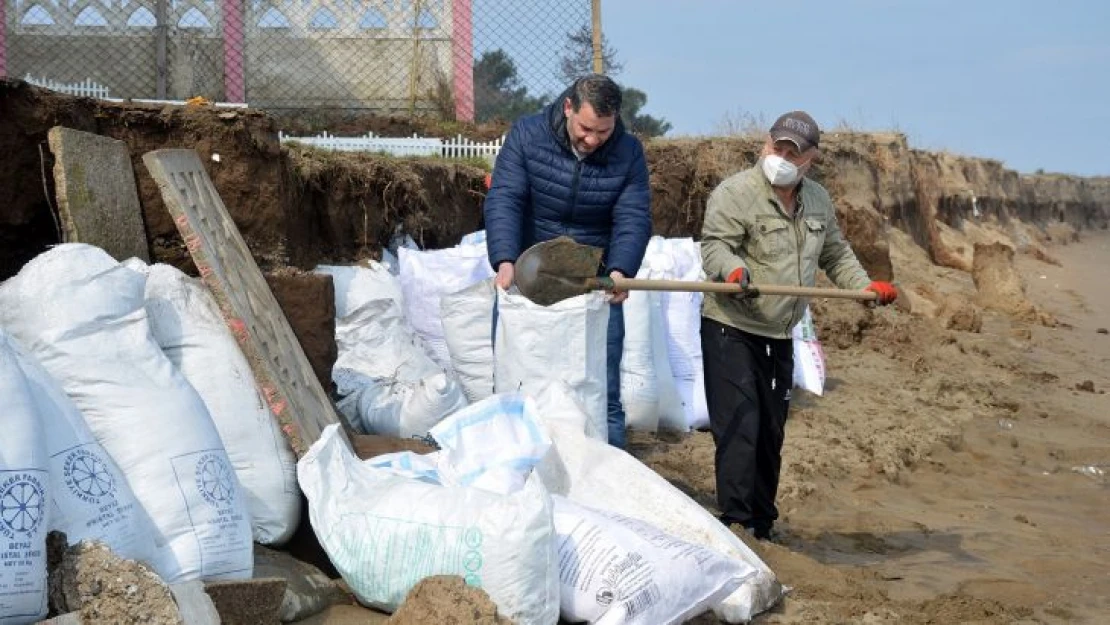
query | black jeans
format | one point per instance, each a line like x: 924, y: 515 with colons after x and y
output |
x: 748, y: 379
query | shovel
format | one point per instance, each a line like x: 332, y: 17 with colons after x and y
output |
x: 560, y: 269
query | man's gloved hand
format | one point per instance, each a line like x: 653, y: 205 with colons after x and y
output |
x: 739, y: 276
x: 886, y: 291
x: 742, y: 277
x: 505, y: 274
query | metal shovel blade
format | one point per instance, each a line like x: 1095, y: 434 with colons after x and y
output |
x: 555, y: 270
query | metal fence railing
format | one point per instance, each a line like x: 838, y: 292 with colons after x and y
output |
x: 458, y: 59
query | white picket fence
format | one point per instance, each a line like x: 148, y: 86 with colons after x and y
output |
x: 85, y: 88
x: 459, y: 147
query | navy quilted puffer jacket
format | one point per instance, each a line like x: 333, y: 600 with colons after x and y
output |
x: 541, y: 190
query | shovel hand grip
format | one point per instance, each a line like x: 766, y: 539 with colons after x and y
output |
x: 687, y: 286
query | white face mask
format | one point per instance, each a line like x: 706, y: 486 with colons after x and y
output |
x: 779, y: 171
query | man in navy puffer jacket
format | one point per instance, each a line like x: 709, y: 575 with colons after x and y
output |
x: 573, y: 170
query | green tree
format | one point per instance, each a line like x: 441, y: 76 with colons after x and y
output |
x: 498, y: 92
x: 578, y: 56
x: 643, y: 125
x: 577, y: 61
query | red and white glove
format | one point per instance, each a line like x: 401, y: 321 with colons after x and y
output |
x: 886, y: 291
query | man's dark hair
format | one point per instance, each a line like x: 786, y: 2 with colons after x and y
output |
x: 599, y: 91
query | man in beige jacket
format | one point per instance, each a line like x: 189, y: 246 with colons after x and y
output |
x: 765, y: 225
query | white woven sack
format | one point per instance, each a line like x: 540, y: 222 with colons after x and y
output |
x: 566, y: 341
x: 187, y: 324
x: 81, y: 314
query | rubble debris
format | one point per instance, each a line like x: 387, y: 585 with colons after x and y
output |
x: 89, y: 579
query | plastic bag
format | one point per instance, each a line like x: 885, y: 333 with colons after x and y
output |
x: 491, y: 445
x: 809, y: 358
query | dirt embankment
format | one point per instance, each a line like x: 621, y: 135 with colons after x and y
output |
x: 879, y: 182
x: 301, y: 207
x: 292, y: 207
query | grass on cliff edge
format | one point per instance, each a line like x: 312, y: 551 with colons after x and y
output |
x: 310, y: 160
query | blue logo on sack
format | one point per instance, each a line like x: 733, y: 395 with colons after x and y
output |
x: 22, y: 505
x: 87, y: 475
x: 214, y: 480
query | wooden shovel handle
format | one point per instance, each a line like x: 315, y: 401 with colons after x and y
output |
x: 687, y: 286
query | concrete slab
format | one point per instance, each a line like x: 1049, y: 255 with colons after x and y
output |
x: 248, y: 602
x: 97, y: 198
x: 285, y: 377
x: 308, y: 591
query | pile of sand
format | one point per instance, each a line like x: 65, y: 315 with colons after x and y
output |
x: 957, y: 313
x: 448, y: 600
x: 999, y: 285
x: 1061, y: 233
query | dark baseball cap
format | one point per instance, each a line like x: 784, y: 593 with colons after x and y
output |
x: 797, y: 127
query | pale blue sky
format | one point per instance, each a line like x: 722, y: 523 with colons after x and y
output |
x: 1023, y: 81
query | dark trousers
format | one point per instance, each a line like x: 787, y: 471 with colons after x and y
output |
x: 748, y: 379
x: 614, y: 352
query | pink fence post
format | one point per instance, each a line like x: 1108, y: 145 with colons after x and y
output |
x: 234, y: 35
x: 463, y: 58
x: 3, y: 38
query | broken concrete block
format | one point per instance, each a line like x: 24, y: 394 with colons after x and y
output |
x: 308, y: 591
x: 247, y: 602
x: 97, y: 198
x: 90, y: 580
